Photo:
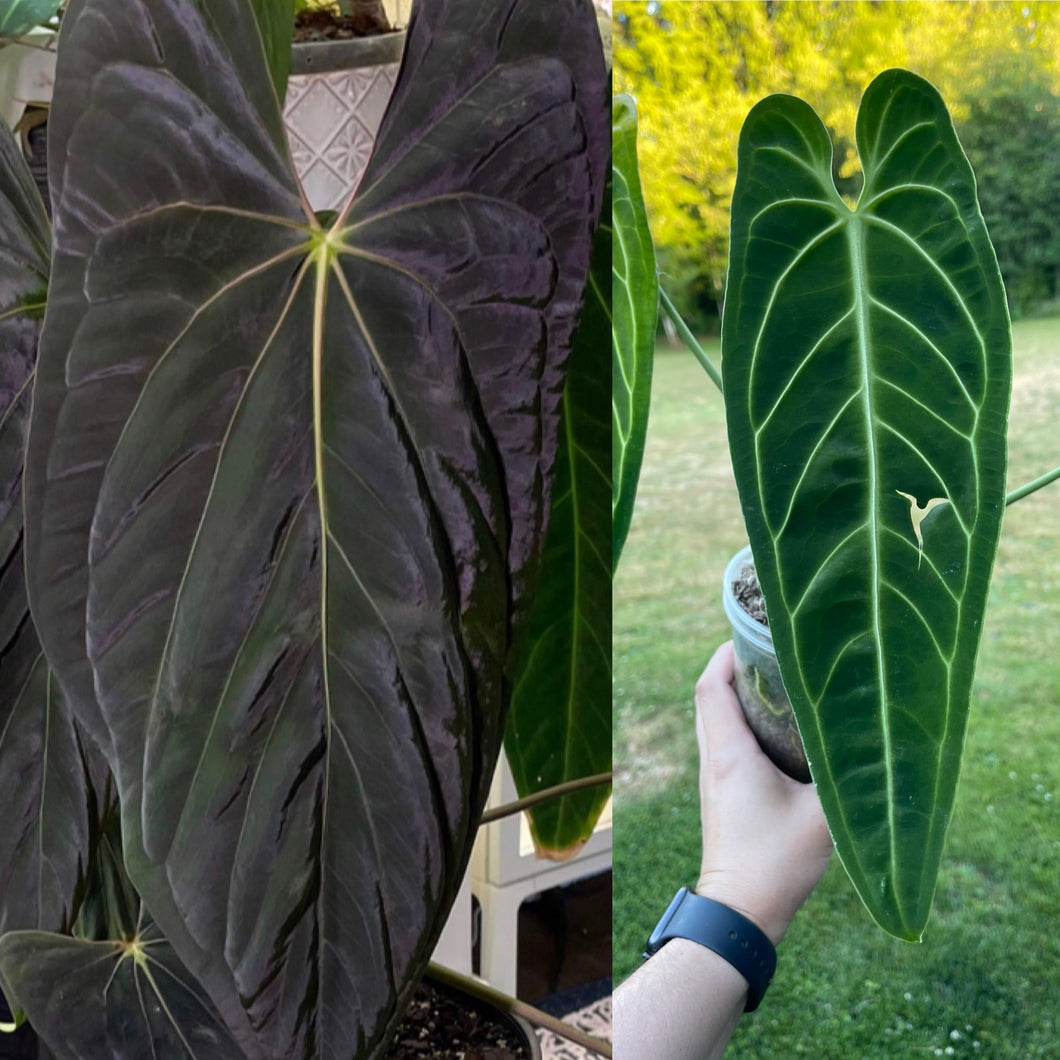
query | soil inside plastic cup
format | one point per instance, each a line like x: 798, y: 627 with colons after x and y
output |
x: 758, y: 683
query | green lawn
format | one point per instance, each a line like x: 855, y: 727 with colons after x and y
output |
x: 986, y: 979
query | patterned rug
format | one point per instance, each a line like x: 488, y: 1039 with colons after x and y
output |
x: 594, y: 1018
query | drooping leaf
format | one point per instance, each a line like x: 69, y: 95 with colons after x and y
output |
x: 124, y: 1000
x: 288, y: 484
x: 43, y: 786
x: 559, y: 725
x: 636, y: 306
x: 18, y: 17
x: 867, y: 356
x: 275, y: 19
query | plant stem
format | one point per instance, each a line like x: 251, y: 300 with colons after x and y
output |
x: 515, y: 1007
x: 1042, y: 480
x: 689, y: 339
x: 555, y: 792
x: 22, y: 42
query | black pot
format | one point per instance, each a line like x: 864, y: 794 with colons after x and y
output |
x: 457, y: 1017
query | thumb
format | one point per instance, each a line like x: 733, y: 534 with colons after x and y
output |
x: 720, y: 722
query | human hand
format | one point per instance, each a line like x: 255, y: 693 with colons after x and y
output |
x: 765, y: 841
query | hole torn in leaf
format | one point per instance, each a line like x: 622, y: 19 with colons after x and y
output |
x: 917, y: 515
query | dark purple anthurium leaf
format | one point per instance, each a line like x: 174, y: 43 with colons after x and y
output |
x: 117, y: 998
x: 43, y: 785
x: 288, y: 484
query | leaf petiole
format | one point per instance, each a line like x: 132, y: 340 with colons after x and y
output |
x: 555, y: 792
x: 689, y: 339
x: 1031, y: 487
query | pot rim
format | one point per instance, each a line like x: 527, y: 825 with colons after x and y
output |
x: 742, y: 623
x: 328, y: 56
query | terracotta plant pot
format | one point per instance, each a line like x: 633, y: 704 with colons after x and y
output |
x: 758, y: 683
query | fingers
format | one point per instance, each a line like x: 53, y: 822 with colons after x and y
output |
x: 720, y: 722
x: 720, y: 669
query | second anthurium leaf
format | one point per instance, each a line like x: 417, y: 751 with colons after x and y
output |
x: 44, y: 789
x: 275, y: 20
x: 18, y: 17
x: 635, y: 307
x: 559, y: 725
x: 287, y: 484
x: 867, y: 367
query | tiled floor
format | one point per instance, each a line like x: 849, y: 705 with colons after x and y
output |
x: 595, y: 1019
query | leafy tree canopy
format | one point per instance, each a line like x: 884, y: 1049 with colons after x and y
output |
x: 696, y: 69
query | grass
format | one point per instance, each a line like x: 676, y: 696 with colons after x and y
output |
x: 984, y: 980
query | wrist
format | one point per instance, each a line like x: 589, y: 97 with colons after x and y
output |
x: 719, y: 928
x: 747, y: 900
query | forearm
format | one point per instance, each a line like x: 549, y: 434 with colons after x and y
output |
x: 682, y: 1004
x: 765, y: 845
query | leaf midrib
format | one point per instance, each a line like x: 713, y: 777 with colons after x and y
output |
x: 321, y: 266
x: 856, y: 244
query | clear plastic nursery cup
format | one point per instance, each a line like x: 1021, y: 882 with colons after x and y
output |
x: 758, y: 684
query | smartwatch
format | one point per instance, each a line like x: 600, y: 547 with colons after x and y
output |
x: 721, y: 929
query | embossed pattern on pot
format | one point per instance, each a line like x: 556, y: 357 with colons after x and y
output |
x: 331, y: 124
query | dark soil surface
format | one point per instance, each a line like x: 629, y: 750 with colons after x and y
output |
x: 749, y: 595
x: 368, y: 19
x: 439, y: 1026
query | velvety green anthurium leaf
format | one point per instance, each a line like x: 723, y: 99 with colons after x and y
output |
x: 43, y: 787
x: 559, y: 725
x: 18, y: 17
x: 287, y: 484
x: 867, y: 374
x: 126, y: 1000
x: 275, y: 20
x: 636, y: 306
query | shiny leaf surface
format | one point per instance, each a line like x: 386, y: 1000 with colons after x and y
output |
x: 43, y: 788
x: 18, y: 17
x: 635, y: 287
x: 287, y: 484
x: 867, y: 361
x: 559, y: 725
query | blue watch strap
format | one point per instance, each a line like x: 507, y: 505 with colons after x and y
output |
x: 721, y: 929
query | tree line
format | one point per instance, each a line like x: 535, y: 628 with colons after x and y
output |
x: 697, y: 68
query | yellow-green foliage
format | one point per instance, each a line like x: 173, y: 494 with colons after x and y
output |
x: 697, y: 68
